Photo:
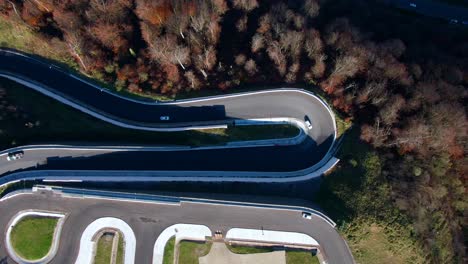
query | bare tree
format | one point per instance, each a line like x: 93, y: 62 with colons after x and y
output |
x: 299, y: 22
x: 292, y: 74
x: 180, y: 55
x: 241, y: 24
x: 389, y: 113
x: 264, y: 24
x: 414, y: 134
x: 257, y: 42
x: 192, y: 80
x: 220, y: 6
x: 251, y: 67
x: 313, y: 43
x: 213, y: 32
x: 311, y: 8
x: 377, y: 134
x: 346, y: 65
x: 178, y: 25
x: 161, y: 47
x: 375, y: 91
x: 198, y: 22
x: 206, y: 60
x: 240, y: 59
x: 293, y: 42
x: 246, y: 5
x: 277, y: 56
x: 75, y: 43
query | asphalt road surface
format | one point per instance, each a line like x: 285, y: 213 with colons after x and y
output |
x: 288, y: 103
x: 149, y: 220
x: 434, y: 8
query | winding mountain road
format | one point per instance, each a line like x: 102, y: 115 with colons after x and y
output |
x: 267, y: 161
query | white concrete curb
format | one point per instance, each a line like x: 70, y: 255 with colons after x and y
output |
x: 181, y: 232
x: 87, y: 244
x: 269, y: 236
x: 55, y: 240
x: 101, y: 116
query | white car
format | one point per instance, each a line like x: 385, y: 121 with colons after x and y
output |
x: 15, y: 155
x: 453, y: 21
x: 306, y: 215
x: 412, y: 4
x: 164, y: 118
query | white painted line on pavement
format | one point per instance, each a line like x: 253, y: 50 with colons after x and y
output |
x: 87, y: 245
x: 181, y: 232
x: 269, y: 236
x: 55, y: 239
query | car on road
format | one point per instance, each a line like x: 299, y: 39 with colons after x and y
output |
x: 453, y: 21
x: 306, y: 215
x: 412, y: 4
x: 307, y: 122
x: 15, y: 155
x: 164, y: 118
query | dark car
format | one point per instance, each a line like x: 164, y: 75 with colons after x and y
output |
x: 15, y: 155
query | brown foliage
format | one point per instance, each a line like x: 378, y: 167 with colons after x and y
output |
x: 240, y: 59
x: 241, y: 24
x: 32, y: 14
x: 193, y: 81
x: 277, y: 56
x: 251, y: 67
x: 220, y: 6
x: 110, y: 36
x: 311, y: 8
x: 257, y: 42
x: 246, y: 5
x: 172, y: 73
x: 154, y: 12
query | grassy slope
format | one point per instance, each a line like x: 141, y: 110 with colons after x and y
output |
x: 189, y: 251
x: 292, y: 257
x: 104, y: 250
x: 120, y: 250
x: 356, y: 195
x: 58, y: 123
x: 18, y: 36
x: 248, y: 250
x: 169, y: 251
x: 32, y: 237
x: 300, y: 257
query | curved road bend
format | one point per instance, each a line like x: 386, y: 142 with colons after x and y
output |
x: 282, y: 103
x: 148, y: 220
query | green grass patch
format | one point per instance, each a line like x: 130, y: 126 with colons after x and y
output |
x: 104, y: 249
x: 357, y: 196
x: 3, y: 189
x: 255, y: 132
x: 190, y: 251
x: 169, y: 251
x: 292, y: 256
x: 31, y: 237
x: 301, y: 257
x: 120, y: 250
x: 25, y: 120
x: 248, y: 250
x: 372, y: 242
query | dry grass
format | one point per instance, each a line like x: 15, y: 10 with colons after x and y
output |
x: 17, y: 35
